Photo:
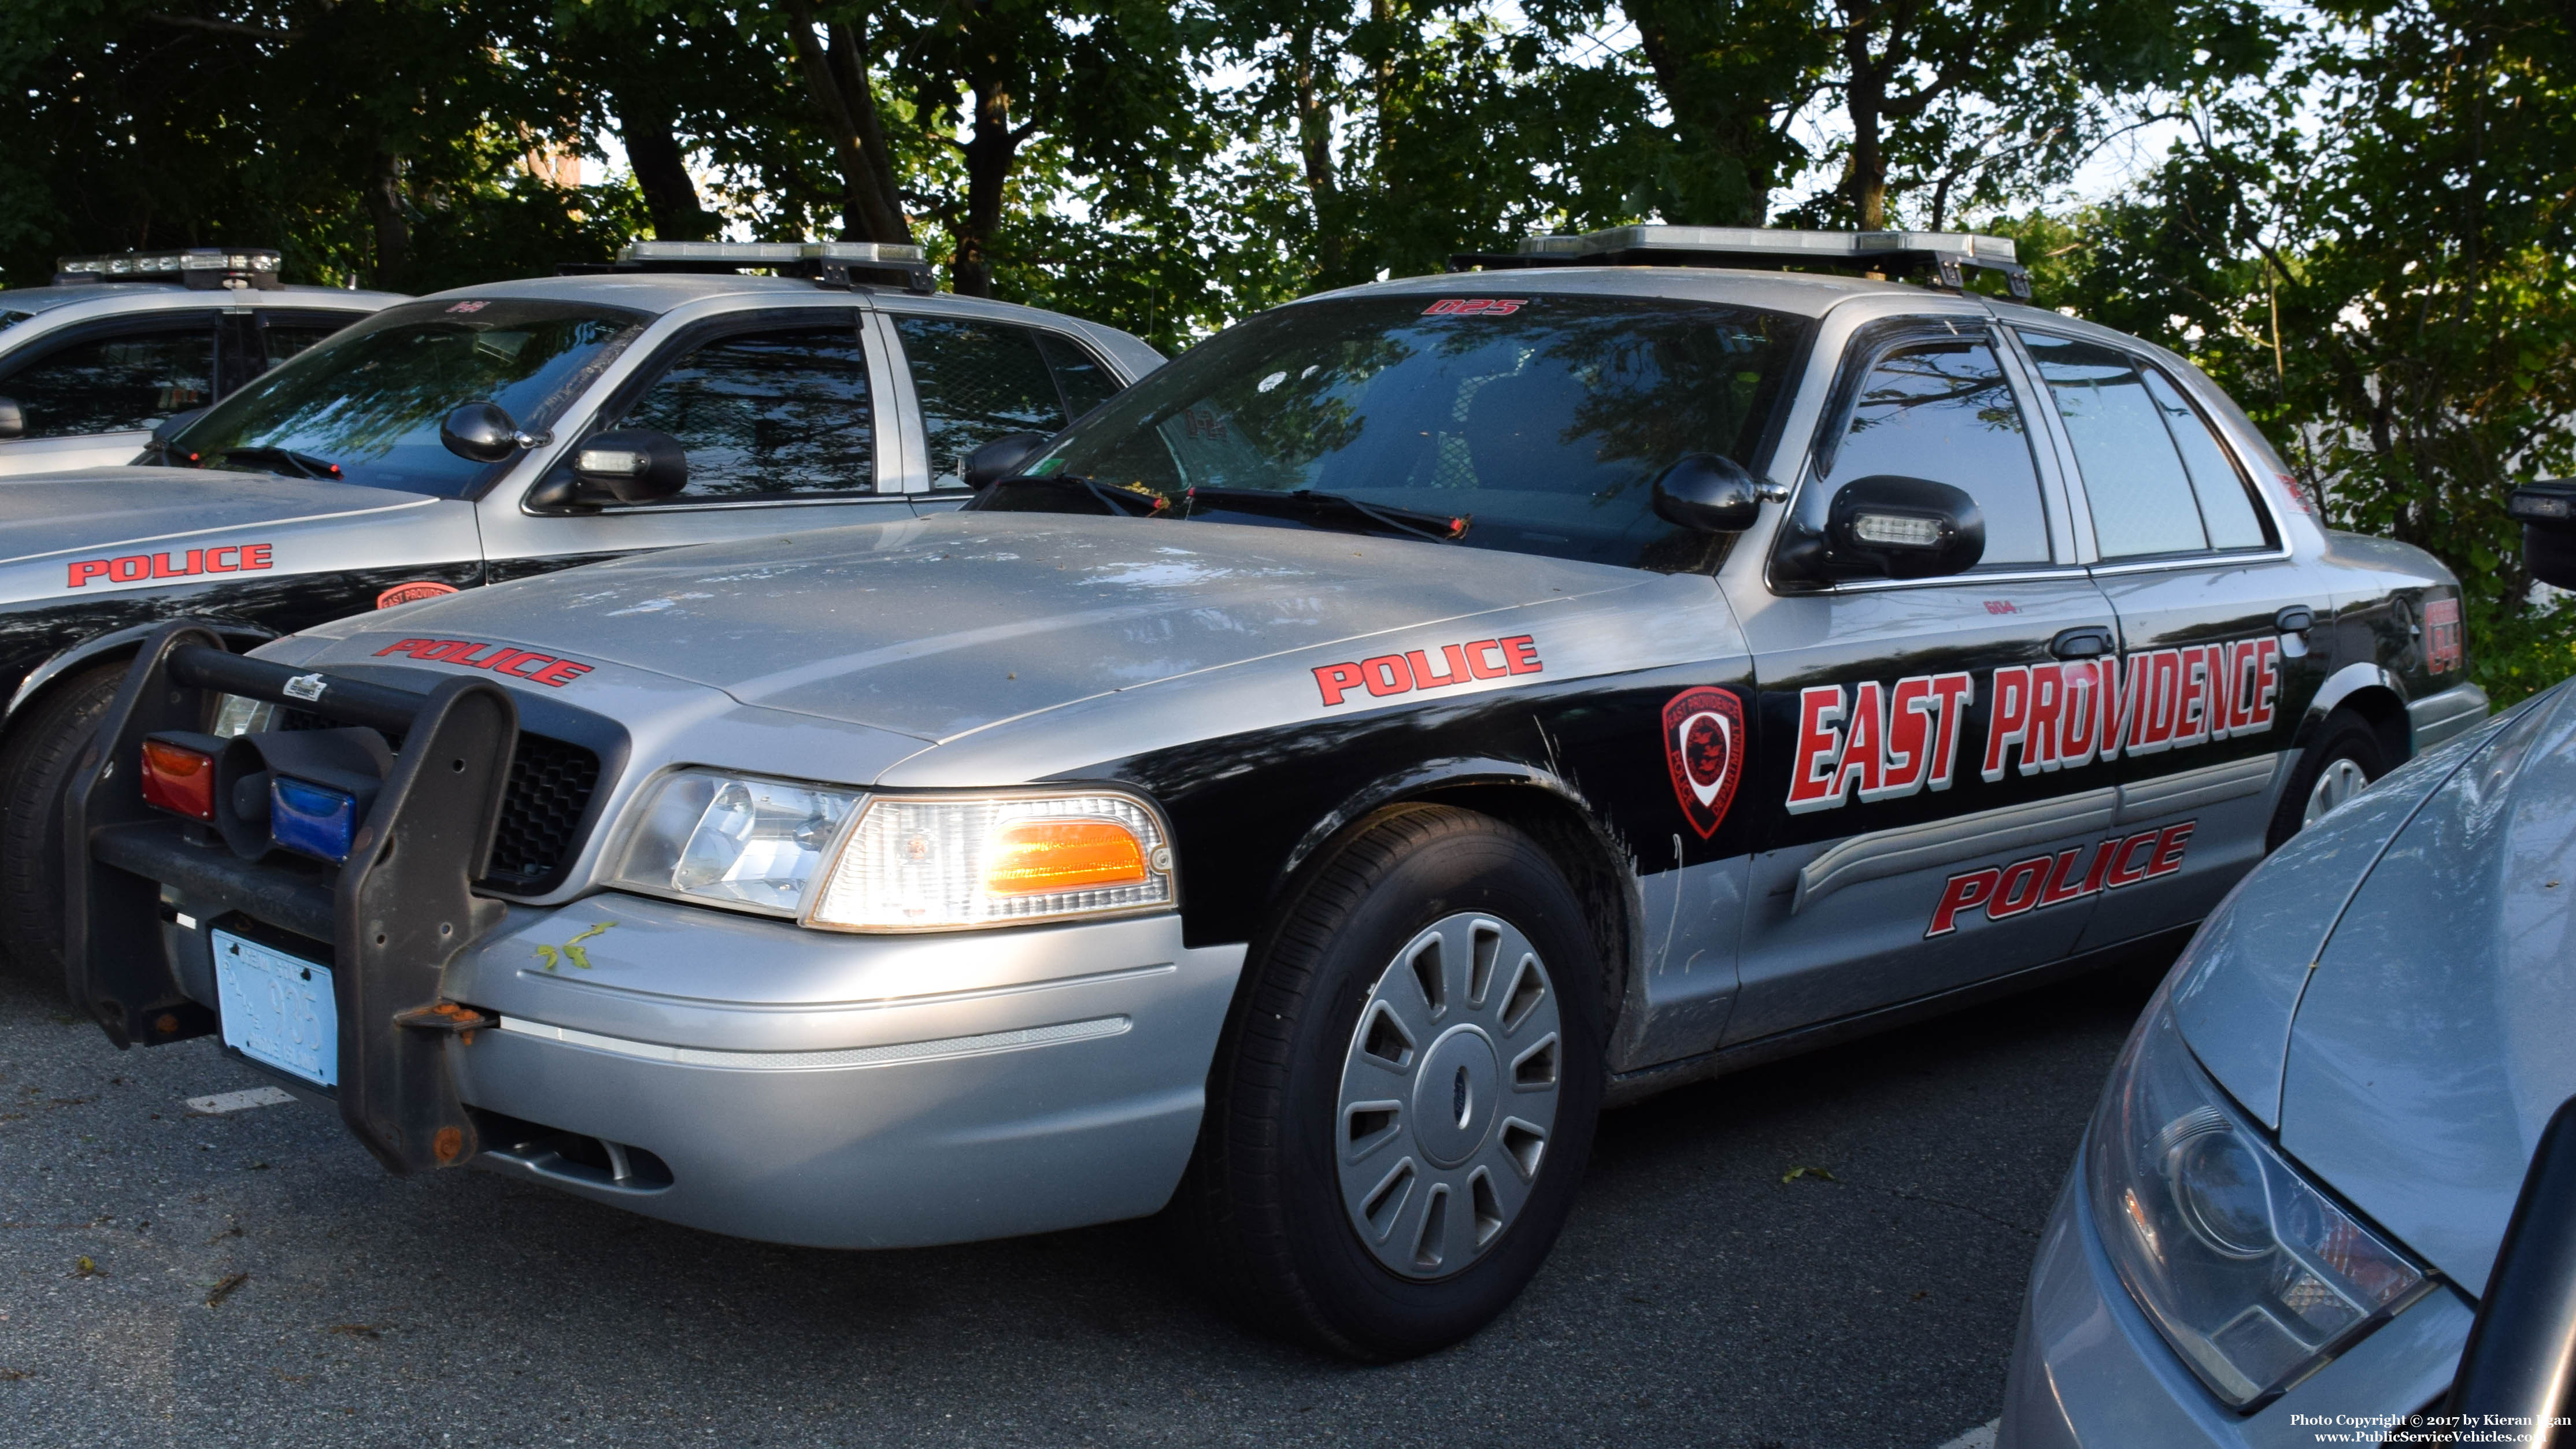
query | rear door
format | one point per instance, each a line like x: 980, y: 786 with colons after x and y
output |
x: 1923, y: 750
x: 2209, y: 689
x: 780, y: 415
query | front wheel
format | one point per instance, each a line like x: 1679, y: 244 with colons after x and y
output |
x: 1400, y: 1116
x: 35, y: 772
x: 2340, y: 765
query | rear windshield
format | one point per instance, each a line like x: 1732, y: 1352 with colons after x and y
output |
x: 369, y: 400
x: 1543, y: 421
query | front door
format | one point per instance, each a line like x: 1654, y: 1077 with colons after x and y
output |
x: 92, y: 398
x: 780, y: 418
x: 1924, y: 745
x: 2209, y: 689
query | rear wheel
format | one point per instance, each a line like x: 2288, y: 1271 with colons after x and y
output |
x: 35, y: 770
x: 2343, y: 762
x: 1400, y: 1116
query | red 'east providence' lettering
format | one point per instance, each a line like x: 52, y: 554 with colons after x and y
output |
x: 1388, y: 674
x: 135, y: 568
x: 525, y: 664
x: 2042, y: 881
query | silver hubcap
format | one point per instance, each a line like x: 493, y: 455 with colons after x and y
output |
x: 1448, y: 1095
x: 2339, y: 781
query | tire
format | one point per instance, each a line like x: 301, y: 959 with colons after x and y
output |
x: 2345, y: 758
x: 35, y: 769
x: 1334, y: 1249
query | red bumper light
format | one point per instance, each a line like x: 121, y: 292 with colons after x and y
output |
x: 179, y: 779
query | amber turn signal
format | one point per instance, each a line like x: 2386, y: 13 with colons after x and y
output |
x: 179, y: 779
x: 1030, y: 856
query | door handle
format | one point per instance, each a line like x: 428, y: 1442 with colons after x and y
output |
x: 2086, y: 641
x: 2295, y: 619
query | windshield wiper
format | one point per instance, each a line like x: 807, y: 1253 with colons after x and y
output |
x: 286, y: 461
x: 1111, y: 500
x: 1317, y: 507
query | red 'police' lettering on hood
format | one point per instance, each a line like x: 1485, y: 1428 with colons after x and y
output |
x: 1388, y: 674
x: 525, y: 664
x: 135, y: 568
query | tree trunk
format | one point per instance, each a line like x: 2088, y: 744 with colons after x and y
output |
x: 1731, y: 72
x: 1865, y: 101
x: 661, y: 170
x: 393, y: 231
x: 989, y: 154
x: 838, y: 87
x: 1315, y: 151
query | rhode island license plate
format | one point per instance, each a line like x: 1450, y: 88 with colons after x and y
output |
x: 278, y: 1009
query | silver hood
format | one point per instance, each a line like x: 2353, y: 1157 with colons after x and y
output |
x: 99, y: 512
x: 941, y: 626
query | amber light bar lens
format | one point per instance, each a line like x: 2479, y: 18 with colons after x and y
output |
x: 179, y: 779
x: 1029, y: 856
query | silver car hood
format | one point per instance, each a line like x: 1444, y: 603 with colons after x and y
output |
x: 106, y: 511
x: 2437, y: 1032
x: 939, y: 626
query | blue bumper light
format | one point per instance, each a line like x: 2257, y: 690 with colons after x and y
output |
x: 311, y: 819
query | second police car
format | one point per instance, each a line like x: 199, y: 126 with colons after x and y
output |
x: 447, y: 443
x: 1305, y: 792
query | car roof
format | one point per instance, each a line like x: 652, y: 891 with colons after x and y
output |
x: 667, y: 291
x: 1806, y: 294
x: 47, y: 298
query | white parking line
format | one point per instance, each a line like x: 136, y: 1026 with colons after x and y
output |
x: 1980, y: 1437
x: 222, y: 1102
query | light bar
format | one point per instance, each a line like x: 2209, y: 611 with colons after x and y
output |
x: 1775, y: 242
x: 205, y: 268
x: 775, y: 254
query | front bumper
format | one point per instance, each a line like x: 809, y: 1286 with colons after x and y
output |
x: 2090, y: 1372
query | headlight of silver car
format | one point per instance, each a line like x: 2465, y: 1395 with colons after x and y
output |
x: 944, y: 863
x: 2253, y: 1275
x: 732, y: 840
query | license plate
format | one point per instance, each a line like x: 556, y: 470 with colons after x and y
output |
x: 278, y: 1009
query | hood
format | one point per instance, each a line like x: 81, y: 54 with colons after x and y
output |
x: 107, y: 510
x: 938, y: 626
x: 2437, y: 1032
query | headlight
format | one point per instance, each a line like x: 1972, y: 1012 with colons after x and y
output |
x: 235, y: 715
x: 732, y: 840
x: 2253, y: 1275
x: 941, y: 863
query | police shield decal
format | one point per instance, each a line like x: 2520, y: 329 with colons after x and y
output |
x: 1704, y: 747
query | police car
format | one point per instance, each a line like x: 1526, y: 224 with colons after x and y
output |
x: 1302, y: 794
x: 123, y: 342
x: 499, y: 431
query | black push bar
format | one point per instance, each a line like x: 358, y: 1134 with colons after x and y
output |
x: 388, y: 921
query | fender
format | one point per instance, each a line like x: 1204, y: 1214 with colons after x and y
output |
x: 236, y: 636
x: 2342, y: 685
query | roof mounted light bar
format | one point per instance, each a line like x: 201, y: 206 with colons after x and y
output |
x: 1946, y: 255
x: 204, y: 269
x: 832, y: 264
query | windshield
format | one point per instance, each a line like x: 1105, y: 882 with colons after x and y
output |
x: 369, y: 400
x: 1542, y: 422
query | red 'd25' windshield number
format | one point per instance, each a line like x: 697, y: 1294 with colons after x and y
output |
x: 1475, y: 307
x: 1387, y: 674
x: 2052, y: 880
x: 525, y: 664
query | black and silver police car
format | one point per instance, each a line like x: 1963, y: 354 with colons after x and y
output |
x: 503, y: 430
x: 122, y: 343
x: 1310, y: 787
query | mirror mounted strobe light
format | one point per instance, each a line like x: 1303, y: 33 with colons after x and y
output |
x: 2547, y: 512
x: 481, y: 432
x: 13, y: 419
x: 631, y: 465
x: 1886, y: 526
x: 1708, y: 492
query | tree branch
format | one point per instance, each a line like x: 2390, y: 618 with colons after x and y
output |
x: 224, y: 27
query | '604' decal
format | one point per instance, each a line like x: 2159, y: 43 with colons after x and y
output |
x: 1704, y: 749
x: 2042, y: 881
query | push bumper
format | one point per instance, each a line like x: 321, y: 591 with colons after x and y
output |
x: 2090, y: 1372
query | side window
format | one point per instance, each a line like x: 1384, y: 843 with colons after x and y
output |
x: 1942, y: 409
x: 768, y: 414
x: 279, y: 341
x: 115, y: 384
x: 2226, y: 502
x: 2142, y: 451
x: 979, y: 380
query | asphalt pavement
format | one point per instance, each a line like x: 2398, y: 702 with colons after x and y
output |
x: 1823, y: 1252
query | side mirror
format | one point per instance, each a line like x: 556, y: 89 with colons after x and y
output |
x: 170, y: 426
x: 13, y: 419
x: 1708, y: 492
x: 2548, y: 514
x: 1890, y: 527
x: 1002, y: 458
x: 632, y: 465
x: 481, y: 432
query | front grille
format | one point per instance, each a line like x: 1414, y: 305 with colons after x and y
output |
x: 551, y: 782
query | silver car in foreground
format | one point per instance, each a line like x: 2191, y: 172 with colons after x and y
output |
x: 2291, y: 1198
